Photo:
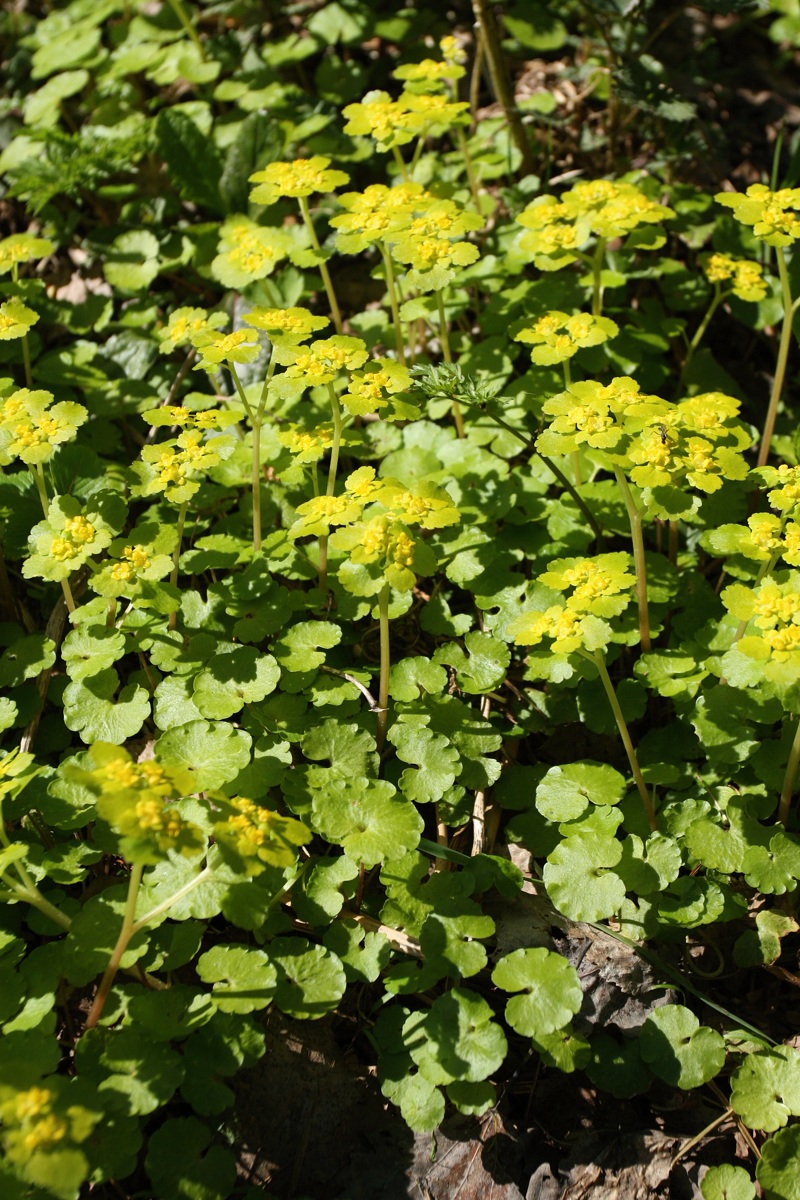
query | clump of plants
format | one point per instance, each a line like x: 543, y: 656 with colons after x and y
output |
x: 368, y: 508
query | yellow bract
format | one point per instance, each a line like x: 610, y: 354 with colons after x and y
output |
x: 296, y: 179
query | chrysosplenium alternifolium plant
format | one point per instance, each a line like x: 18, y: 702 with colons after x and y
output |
x: 363, y: 522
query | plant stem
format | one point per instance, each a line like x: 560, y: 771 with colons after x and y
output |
x: 68, y: 598
x: 336, y: 411
x: 176, y: 553
x: 599, y: 661
x: 182, y: 15
x: 448, y: 358
x: 789, y: 778
x: 576, y: 458
x: 26, y: 361
x: 635, y: 519
x: 699, y: 334
x: 383, y: 688
x: 783, y: 358
x: 256, y: 467
x: 125, y: 935
x: 240, y: 392
x: 597, y: 283
x: 398, y: 158
x: 391, y: 288
x: 38, y: 477
x: 473, y: 181
x: 673, y: 543
x: 27, y: 889
x: 323, y: 266
x: 165, y: 905
x: 34, y: 897
x: 501, y: 84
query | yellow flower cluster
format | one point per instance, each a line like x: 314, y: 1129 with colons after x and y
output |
x: 307, y: 446
x: 215, y: 348
x: 322, y: 361
x: 38, y: 1128
x: 556, y: 336
x: 248, y: 251
x: 421, y: 230
x: 15, y: 319
x: 135, y: 559
x: 746, y: 277
x: 369, y: 390
x: 31, y: 426
x: 258, y: 836
x: 772, y: 215
x: 393, y: 123
x: 76, y: 535
x: 291, y: 325
x: 21, y: 247
x: 296, y: 180
x: 784, y: 486
x: 562, y: 625
x: 773, y: 608
x: 558, y: 229
x: 123, y: 772
x: 186, y: 324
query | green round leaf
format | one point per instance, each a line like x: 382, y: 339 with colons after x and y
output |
x: 94, y: 708
x: 565, y: 793
x: 777, y: 1171
x: 579, y: 880
x: 214, y: 753
x: 311, y: 980
x: 182, y: 1164
x: 458, y: 1040
x: 765, y: 1088
x: 244, y: 979
x: 679, y: 1049
x: 552, y: 990
x: 727, y: 1182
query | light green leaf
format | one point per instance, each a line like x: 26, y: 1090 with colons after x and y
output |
x: 132, y: 262
x: 363, y: 955
x: 368, y: 818
x: 765, y: 1088
x: 777, y: 1169
x: 414, y: 677
x: 95, y: 709
x: 437, y: 760
x: 482, y: 667
x: 472, y: 1099
x: 26, y: 658
x: 244, y: 979
x: 458, y: 1039
x: 450, y: 944
x: 299, y: 648
x: 132, y: 1066
x: 318, y: 896
x: 311, y: 980
x: 679, y: 1049
x: 579, y: 879
x: 566, y: 792
x: 237, y: 675
x: 618, y: 1067
x: 214, y: 753
x: 563, y: 1049
x: 552, y: 990
x: 727, y: 1182
x: 90, y: 649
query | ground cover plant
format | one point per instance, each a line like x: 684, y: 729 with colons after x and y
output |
x: 391, y: 521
